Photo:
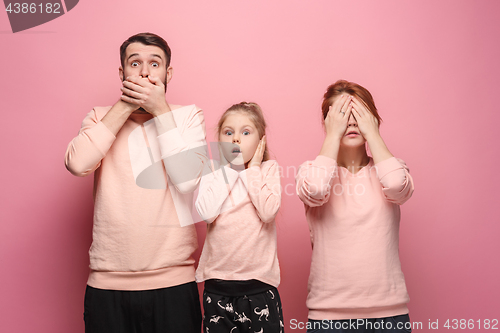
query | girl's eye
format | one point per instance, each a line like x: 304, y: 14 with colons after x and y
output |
x: 246, y: 133
x: 228, y: 133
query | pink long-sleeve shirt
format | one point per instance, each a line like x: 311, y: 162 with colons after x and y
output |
x: 143, y: 235
x: 240, y: 208
x: 354, y: 227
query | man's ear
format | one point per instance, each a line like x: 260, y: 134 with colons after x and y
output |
x: 170, y: 71
x: 120, y: 72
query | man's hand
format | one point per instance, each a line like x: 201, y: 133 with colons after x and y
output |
x: 147, y: 93
x: 126, y: 107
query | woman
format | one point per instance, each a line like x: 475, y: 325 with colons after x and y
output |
x: 352, y: 207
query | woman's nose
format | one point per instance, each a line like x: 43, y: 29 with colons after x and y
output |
x: 352, y: 121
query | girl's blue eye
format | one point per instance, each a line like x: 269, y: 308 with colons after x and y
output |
x: 246, y: 133
x: 229, y: 132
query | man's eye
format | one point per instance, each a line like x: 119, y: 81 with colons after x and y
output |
x: 155, y: 64
x: 134, y: 64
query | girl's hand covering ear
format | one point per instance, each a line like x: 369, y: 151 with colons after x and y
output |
x: 259, y: 153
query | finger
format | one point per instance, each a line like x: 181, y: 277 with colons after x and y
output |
x: 262, y: 149
x: 356, y: 108
x: 356, y: 114
x: 133, y: 86
x: 338, y: 103
x: 330, y: 113
x: 261, y: 156
x: 358, y: 105
x: 349, y: 111
x: 155, y: 80
x: 130, y: 100
x: 361, y: 106
x: 259, y: 151
x: 345, y: 102
x: 346, y: 105
x: 131, y: 93
x: 140, y: 81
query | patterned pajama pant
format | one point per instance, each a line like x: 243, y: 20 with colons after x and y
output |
x: 253, y: 313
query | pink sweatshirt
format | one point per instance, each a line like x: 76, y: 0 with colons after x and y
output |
x: 354, y: 227
x: 143, y: 233
x: 241, y: 234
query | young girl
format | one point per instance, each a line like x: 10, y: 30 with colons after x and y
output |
x: 352, y: 207
x: 239, y: 201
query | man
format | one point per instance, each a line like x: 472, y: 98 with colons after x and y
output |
x: 148, y: 156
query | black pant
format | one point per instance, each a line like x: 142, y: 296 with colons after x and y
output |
x: 396, y: 324
x: 241, y: 307
x: 167, y: 310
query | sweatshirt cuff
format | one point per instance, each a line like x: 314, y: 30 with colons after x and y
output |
x: 325, y: 161
x: 101, y: 137
x: 387, y: 166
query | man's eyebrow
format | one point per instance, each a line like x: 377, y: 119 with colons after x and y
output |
x: 132, y: 55
x: 152, y: 56
x: 157, y: 55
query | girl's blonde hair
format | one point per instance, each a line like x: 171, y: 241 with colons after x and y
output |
x: 255, y: 114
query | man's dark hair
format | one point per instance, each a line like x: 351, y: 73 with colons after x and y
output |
x: 145, y: 38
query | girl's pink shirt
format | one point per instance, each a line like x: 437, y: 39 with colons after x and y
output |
x: 240, y: 209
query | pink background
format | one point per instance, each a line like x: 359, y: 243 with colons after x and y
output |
x: 432, y: 66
